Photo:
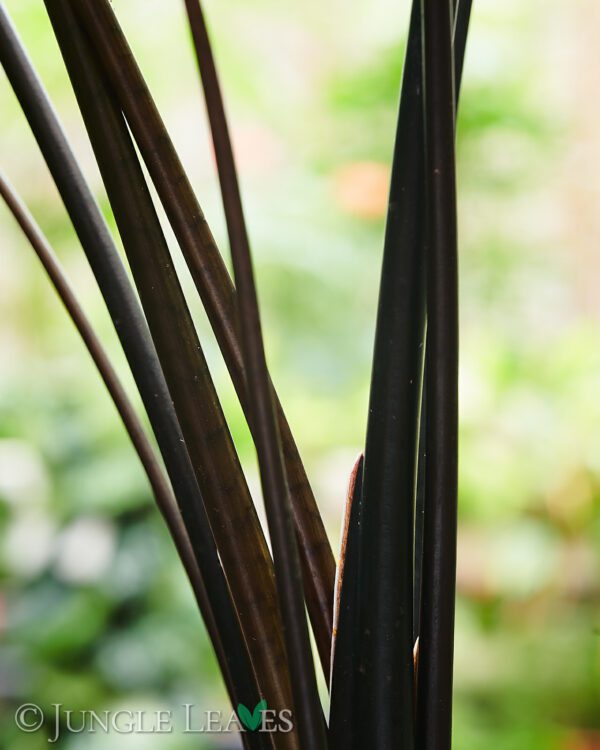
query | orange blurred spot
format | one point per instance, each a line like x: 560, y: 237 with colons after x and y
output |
x: 257, y: 149
x: 361, y: 189
x: 583, y: 740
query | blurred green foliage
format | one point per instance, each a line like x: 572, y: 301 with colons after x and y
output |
x: 95, y: 612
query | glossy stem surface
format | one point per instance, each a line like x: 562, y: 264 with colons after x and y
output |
x: 462, y: 9
x: 436, y: 638
x: 389, y: 485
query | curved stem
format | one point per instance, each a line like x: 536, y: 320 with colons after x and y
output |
x: 214, y: 286
x: 317, y: 562
x: 161, y: 489
x: 268, y: 445
x: 135, y: 339
x: 245, y: 557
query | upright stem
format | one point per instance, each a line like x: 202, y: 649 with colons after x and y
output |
x: 315, y: 555
x: 385, y: 671
x: 308, y: 715
x: 462, y: 11
x: 436, y: 640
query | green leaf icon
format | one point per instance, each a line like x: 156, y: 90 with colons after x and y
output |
x: 252, y: 720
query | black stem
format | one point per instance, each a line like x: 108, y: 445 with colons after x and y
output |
x: 461, y: 30
x: 436, y: 639
x: 461, y: 27
x: 386, y: 663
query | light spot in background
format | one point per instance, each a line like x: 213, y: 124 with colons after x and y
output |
x: 523, y: 559
x: 29, y: 543
x: 23, y: 476
x: 85, y: 550
x: 361, y: 189
x: 257, y: 149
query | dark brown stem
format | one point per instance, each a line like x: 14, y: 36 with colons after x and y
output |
x: 385, y: 669
x: 163, y: 494
x: 135, y: 339
x: 216, y: 290
x: 264, y: 418
x: 277, y: 501
x: 309, y: 527
x: 245, y: 556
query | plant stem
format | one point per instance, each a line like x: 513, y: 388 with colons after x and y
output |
x: 268, y: 444
x: 245, y: 557
x: 135, y: 339
x: 389, y: 485
x: 161, y: 488
x: 215, y: 287
x: 436, y: 639
x: 344, y: 695
x: 317, y: 561
x: 461, y: 26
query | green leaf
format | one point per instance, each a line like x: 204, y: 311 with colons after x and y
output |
x: 252, y: 720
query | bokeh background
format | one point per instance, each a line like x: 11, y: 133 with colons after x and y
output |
x: 94, y: 609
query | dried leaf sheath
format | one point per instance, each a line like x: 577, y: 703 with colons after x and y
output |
x: 245, y: 557
x: 135, y: 339
x: 213, y: 283
x: 344, y: 694
x: 317, y: 561
x: 160, y: 486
